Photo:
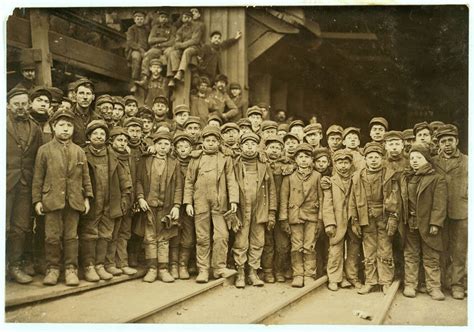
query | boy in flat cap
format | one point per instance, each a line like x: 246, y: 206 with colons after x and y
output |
x: 394, y: 147
x: 117, y: 256
x: 118, y: 111
x: 257, y: 209
x: 214, y: 120
x: 131, y: 106
x: 424, y: 194
x: 297, y: 127
x: 40, y: 104
x: 24, y: 138
x: 291, y: 142
x: 104, y: 108
x: 235, y: 93
x: 299, y: 213
x: 322, y: 161
x: 210, y: 188
x: 159, y: 194
x: 313, y: 133
x: 192, y: 127
x: 181, y: 115
x: 137, y: 43
x: 200, y: 102
x: 282, y: 129
x: 148, y: 124
x: 254, y: 114
x: 220, y: 102
x: 374, y: 210
x: 82, y: 110
x: 269, y: 128
x: 377, y: 128
x: 182, y: 245
x: 336, y: 216
x: 453, y: 165
x: 276, y: 251
x: 230, y: 139
x: 334, y: 138
x: 61, y: 192
x: 161, y: 109
x: 245, y: 125
x: 154, y: 85
x: 111, y: 184
x: 28, y: 75
x: 408, y: 140
x: 351, y: 140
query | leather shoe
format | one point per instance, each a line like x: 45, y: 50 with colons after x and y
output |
x: 409, y: 292
x: 333, y: 286
x: 203, y: 276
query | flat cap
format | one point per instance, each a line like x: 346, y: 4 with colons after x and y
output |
x: 139, y: 12
x: 408, y: 134
x: 269, y: 124
x: 119, y: 100
x: 379, y: 120
x: 192, y: 119
x: 211, y: 130
x: 290, y: 135
x: 180, y: 135
x: 62, y: 113
x: 155, y: 61
x: 40, y: 91
x: 15, y: 92
x: 180, y: 109
x: 313, y: 128
x: 273, y: 139
x: 254, y: 110
x: 215, y: 117
x: 56, y: 94
x: 102, y: 99
x: 130, y: 99
x: 162, y: 135
x: 249, y: 136
x: 447, y: 130
x: 161, y: 99
x: 119, y: 131
x: 94, y: 124
x: 393, y: 135
x: 244, y: 122
x: 304, y: 147
x: 83, y: 81
x: 373, y: 147
x: 436, y: 124
x: 283, y: 127
x: 145, y: 112
x: 133, y: 121
x: 420, y: 126
x: 295, y: 123
x: 342, y: 154
x: 349, y: 130
x: 229, y: 126
x: 321, y: 152
x: 263, y: 105
x: 204, y: 79
x: 334, y: 129
x: 422, y: 148
x: 221, y: 77
x: 234, y: 85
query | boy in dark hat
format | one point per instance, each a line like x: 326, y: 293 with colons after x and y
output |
x: 220, y: 102
x: 291, y: 142
x: 159, y: 194
x: 230, y: 139
x: 210, y: 189
x: 377, y: 128
x: 131, y: 106
x: 154, y: 85
x: 65, y: 164
x: 313, y: 134
x: 424, y: 194
x: 40, y: 104
x: 408, y: 140
x: 137, y: 43
x: 297, y: 127
x: 453, y: 165
x: 118, y: 111
x: 24, y: 138
x: 394, y: 147
x: 111, y: 184
x: 181, y: 115
x: 192, y: 127
x: 374, y: 210
x: 28, y: 75
x: 148, y: 122
x: 282, y: 129
x: 322, y: 161
x: 214, y: 120
x: 351, y: 140
x: 82, y: 110
x: 257, y: 209
x: 235, y: 93
x: 245, y: 125
x: 334, y: 138
x: 269, y: 128
x: 254, y: 114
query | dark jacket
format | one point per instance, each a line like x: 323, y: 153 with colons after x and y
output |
x: 162, y: 35
x: 54, y: 182
x: 20, y: 161
x: 336, y: 207
x: 81, y: 120
x: 211, y: 62
x: 190, y: 34
x: 137, y: 38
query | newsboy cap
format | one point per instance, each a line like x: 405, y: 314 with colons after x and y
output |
x: 62, y: 113
x: 273, y: 139
x: 295, y: 123
x: 162, y: 135
x: 180, y: 109
x: 254, y: 110
x: 349, y: 130
x: 393, y: 135
x: 420, y: 126
x: 342, y: 154
x: 408, y: 134
x: 379, y: 120
x: 15, y: 92
x: 229, y: 126
x: 321, y: 152
x: 250, y: 136
x: 192, y: 119
x: 447, y: 130
x: 211, y: 131
x: 180, y: 136
x: 133, y: 121
x: 334, y: 129
x: 313, y: 128
x: 40, y: 91
x: 94, y: 124
x: 304, y: 147
x: 373, y: 147
x: 119, y: 131
x: 269, y: 124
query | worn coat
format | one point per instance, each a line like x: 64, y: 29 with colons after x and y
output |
x: 431, y: 206
x: 336, y: 207
x: 358, y: 207
x: 120, y: 183
x: 162, y: 35
x: 190, y: 34
x: 297, y: 204
x: 20, y: 160
x: 137, y: 38
x: 211, y: 62
x: 266, y: 193
x: 227, y: 187
x: 456, y: 177
x: 55, y: 182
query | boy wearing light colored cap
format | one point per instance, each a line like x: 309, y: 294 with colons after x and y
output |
x: 256, y: 211
x: 334, y: 138
x: 300, y: 202
x: 245, y: 125
x: 210, y: 190
x: 453, y: 165
x: 291, y: 142
x: 424, y: 194
x: 181, y: 115
x: 336, y: 190
x: 254, y: 114
x: 131, y: 106
x: 351, y: 140
x: 112, y: 185
x: 62, y: 203
x: 374, y: 210
x: 159, y: 195
x: 377, y: 128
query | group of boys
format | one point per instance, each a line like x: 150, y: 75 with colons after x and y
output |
x: 252, y: 194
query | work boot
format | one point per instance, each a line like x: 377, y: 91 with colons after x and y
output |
x: 457, y: 293
x: 307, y: 279
x: 90, y: 274
x: 288, y: 274
x: 357, y: 284
x: 223, y: 273
x: 164, y: 275
x: 51, y: 277
x: 409, y: 292
x: 128, y: 270
x: 29, y: 268
x: 280, y: 277
x: 113, y: 270
x: 150, y: 275
x: 19, y: 276
x: 171, y: 83
x: 253, y: 278
x: 436, y: 294
x: 179, y: 75
x: 345, y: 283
x: 240, y: 278
x: 104, y: 275
x: 298, y: 281
x: 365, y: 289
x: 203, y: 276
x: 174, y: 271
x: 268, y: 276
x: 71, y: 277
x: 422, y: 288
x: 184, y: 255
x: 183, y: 272
x: 333, y: 286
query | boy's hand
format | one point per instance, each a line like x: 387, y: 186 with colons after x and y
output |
x: 151, y: 149
x: 87, y: 205
x: 238, y: 35
x: 143, y: 205
x: 233, y: 207
x: 174, y: 213
x: 326, y: 183
x: 434, y: 230
x: 39, y: 209
x: 330, y: 231
x: 190, y: 210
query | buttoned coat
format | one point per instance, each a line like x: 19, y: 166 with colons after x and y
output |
x: 457, y: 180
x: 298, y: 205
x: 227, y: 187
x: 266, y: 191
x: 431, y: 206
x: 21, y: 160
x: 120, y: 183
x: 54, y: 182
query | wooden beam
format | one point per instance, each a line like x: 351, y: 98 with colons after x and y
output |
x: 349, y: 35
x: 272, y: 22
x: 279, y: 95
x: 262, y: 44
x: 18, y: 32
x: 261, y: 87
x: 39, y: 23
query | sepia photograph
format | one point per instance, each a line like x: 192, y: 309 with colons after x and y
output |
x: 272, y: 165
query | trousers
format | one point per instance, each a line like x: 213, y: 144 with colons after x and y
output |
x: 249, y: 242
x: 276, y: 250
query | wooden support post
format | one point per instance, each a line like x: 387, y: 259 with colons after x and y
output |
x: 279, y: 95
x: 182, y: 90
x: 295, y: 100
x: 39, y: 24
x: 261, y: 88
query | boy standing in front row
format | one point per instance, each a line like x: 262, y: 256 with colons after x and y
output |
x: 61, y: 191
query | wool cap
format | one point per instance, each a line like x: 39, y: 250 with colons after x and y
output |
x: 161, y: 99
x: 379, y: 120
x: 229, y: 126
x: 192, y: 119
x: 420, y: 126
x: 334, y: 129
x: 104, y: 99
x: 155, y: 61
x: 130, y: 99
x: 349, y: 130
x: 94, y: 124
x: 254, y: 110
x: 447, y: 130
x: 342, y: 154
x: 273, y: 138
x: 56, y: 94
x: 304, y: 147
x: 119, y: 131
x: 393, y: 135
x: 15, y: 92
x: 269, y: 124
x: 119, y: 100
x: 133, y: 121
x: 145, y: 112
x: 234, y: 85
x: 321, y: 152
x: 295, y: 123
x: 436, y: 124
x: 221, y: 77
x: 249, y: 136
x: 290, y: 135
x: 244, y: 122
x: 180, y: 109
x: 40, y: 91
x: 162, y: 135
x: 422, y: 148
x: 283, y: 127
x: 373, y: 147
x: 180, y: 135
x: 62, y: 113
x: 83, y: 81
x: 408, y: 134
x: 313, y: 128
x: 211, y: 130
x: 215, y: 117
